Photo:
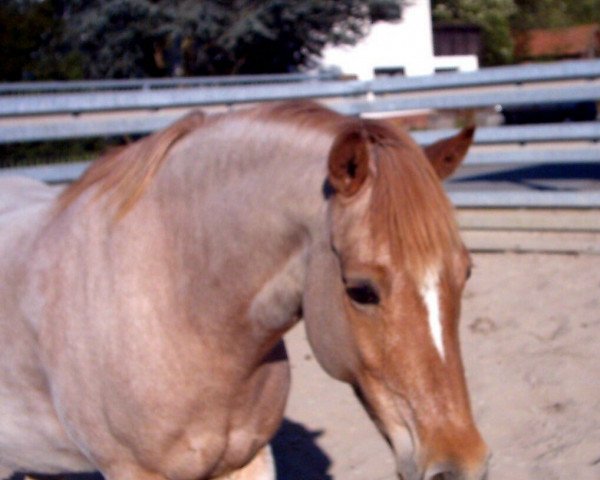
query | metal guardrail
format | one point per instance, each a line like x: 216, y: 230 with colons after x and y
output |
x: 459, y: 100
x: 579, y: 69
x: 29, y: 117
x: 157, y: 83
x: 515, y: 74
x: 80, y: 127
x: 525, y: 199
x: 521, y: 134
x: 77, y: 103
x: 535, y: 156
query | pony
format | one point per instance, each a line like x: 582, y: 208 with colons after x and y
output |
x: 143, y: 308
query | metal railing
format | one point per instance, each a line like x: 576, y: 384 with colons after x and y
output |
x: 158, y: 83
x: 141, y: 109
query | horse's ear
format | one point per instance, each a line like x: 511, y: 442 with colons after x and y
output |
x: 447, y: 154
x: 348, y: 162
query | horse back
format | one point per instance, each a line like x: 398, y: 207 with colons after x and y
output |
x: 21, y: 192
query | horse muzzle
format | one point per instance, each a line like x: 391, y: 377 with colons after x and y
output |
x: 448, y: 471
x: 443, y: 472
x: 455, y: 465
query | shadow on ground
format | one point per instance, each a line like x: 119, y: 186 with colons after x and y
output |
x: 297, y: 456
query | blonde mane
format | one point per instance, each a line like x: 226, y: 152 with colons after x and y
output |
x: 128, y: 171
x: 306, y: 114
x: 409, y: 208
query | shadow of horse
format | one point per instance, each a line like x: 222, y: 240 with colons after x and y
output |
x: 297, y: 457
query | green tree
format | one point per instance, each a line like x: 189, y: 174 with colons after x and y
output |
x: 492, y: 16
x: 134, y: 38
x: 555, y: 13
x: 498, y: 19
x: 31, y: 41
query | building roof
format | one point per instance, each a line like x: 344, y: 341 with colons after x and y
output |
x: 578, y: 41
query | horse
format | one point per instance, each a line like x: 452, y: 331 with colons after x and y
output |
x: 143, y: 307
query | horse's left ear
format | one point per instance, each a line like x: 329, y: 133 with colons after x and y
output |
x: 348, y: 165
x: 447, y: 154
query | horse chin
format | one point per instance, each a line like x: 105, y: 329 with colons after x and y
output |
x: 402, y: 444
x: 408, y: 471
x: 396, y: 433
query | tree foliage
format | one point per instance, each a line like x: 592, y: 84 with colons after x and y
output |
x: 555, y: 13
x: 29, y: 32
x: 498, y: 19
x: 492, y: 16
x: 133, y: 38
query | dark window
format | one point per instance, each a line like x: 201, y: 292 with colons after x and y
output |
x: 456, y: 40
x: 389, y: 72
x: 446, y: 70
x: 384, y: 10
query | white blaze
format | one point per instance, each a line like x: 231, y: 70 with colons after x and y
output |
x: 431, y: 296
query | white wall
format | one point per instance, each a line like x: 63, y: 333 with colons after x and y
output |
x: 406, y: 44
x: 462, y: 63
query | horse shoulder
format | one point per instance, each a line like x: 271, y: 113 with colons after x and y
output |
x: 31, y: 435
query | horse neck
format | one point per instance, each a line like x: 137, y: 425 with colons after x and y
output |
x: 242, y: 203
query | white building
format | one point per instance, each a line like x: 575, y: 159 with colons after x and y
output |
x: 400, y: 48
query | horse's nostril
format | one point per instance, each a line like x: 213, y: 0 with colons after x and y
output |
x: 449, y: 473
x: 441, y: 473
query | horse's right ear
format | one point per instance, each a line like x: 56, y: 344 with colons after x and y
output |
x: 447, y: 154
x: 348, y: 162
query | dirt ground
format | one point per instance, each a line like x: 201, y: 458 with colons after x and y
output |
x: 531, y: 345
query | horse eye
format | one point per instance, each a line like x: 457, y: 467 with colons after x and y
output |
x: 363, y: 293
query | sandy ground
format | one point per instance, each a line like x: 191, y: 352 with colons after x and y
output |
x: 531, y: 345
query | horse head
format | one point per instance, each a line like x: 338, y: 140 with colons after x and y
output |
x: 382, y: 300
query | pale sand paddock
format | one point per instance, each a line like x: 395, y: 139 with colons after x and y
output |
x: 531, y: 345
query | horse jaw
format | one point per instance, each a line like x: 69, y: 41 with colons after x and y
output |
x: 324, y: 317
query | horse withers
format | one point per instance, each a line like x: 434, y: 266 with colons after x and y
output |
x: 143, y: 308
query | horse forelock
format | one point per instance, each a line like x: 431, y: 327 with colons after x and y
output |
x: 409, y: 209
x: 126, y: 172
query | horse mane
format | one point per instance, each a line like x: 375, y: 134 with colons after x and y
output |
x: 304, y: 114
x: 408, y: 203
x: 127, y: 171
